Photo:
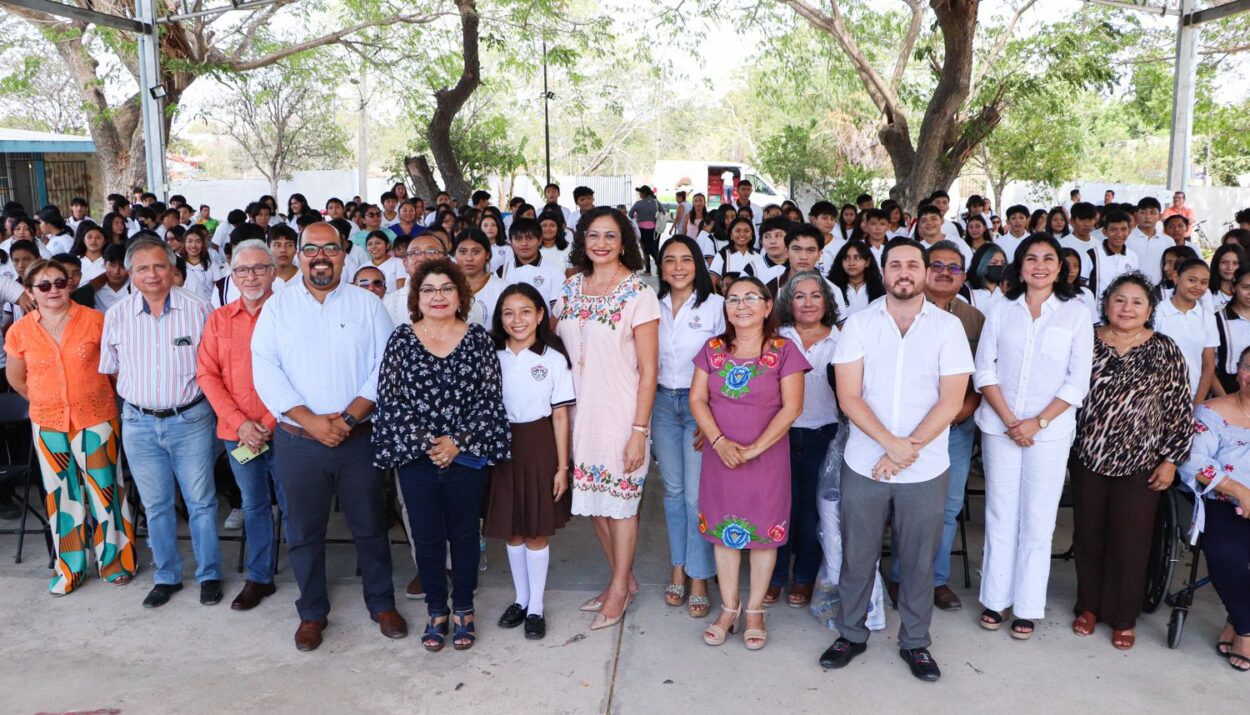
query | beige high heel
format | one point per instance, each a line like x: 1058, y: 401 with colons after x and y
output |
x: 714, y: 634
x: 759, y: 635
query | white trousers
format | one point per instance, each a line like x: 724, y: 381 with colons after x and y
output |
x: 1022, y: 491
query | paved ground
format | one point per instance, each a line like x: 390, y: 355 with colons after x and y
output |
x: 98, y: 650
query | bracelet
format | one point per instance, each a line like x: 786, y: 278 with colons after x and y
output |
x: 718, y: 438
x: 562, y: 469
x: 644, y: 431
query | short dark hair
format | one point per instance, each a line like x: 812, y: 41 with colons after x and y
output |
x: 1118, y: 216
x: 70, y: 259
x: 1074, y: 193
x: 479, y: 195
x: 939, y: 194
x: 1149, y: 202
x: 925, y: 211
x: 823, y: 208
x: 862, y: 198
x: 1020, y: 209
x: 746, y: 182
x: 115, y: 253
x: 944, y: 245
x: 776, y: 223
x: 1083, y: 210
x: 78, y: 201
x: 805, y: 230
x: 581, y: 191
x: 439, y: 267
x: 525, y: 227
x: 1178, y: 217
x: 902, y: 242
x: 389, y: 195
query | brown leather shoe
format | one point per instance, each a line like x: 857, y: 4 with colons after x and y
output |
x: 308, y: 635
x: 391, y: 624
x: 891, y: 590
x: 251, y: 595
x: 946, y: 599
x: 415, y: 590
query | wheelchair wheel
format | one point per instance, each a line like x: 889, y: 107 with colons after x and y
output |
x: 1164, y: 544
x: 1176, y: 626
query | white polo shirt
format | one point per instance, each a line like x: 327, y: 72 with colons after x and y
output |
x: 964, y: 249
x: 499, y: 255
x: 482, y: 312
x: 1009, y: 244
x: 533, y: 384
x: 1193, y: 331
x: 771, y: 270
x: 545, y: 276
x: 1082, y: 249
x: 819, y: 406
x: 856, y: 299
x: 684, y: 334
x: 900, y: 383
x: 749, y: 263
x: 1150, y: 250
x: 829, y: 253
x: 1105, y: 266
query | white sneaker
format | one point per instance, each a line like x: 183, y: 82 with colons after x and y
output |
x: 234, y: 520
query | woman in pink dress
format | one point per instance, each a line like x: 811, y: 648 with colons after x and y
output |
x: 746, y: 393
x: 609, y: 321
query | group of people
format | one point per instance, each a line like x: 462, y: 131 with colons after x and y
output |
x: 804, y: 382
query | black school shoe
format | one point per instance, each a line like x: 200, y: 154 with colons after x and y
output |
x: 513, y: 617
x: 921, y: 663
x: 535, y: 627
x: 841, y: 653
x: 210, y: 592
x: 160, y: 593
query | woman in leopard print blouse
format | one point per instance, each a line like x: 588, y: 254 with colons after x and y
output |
x: 1136, y: 425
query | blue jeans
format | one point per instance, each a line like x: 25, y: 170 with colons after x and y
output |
x: 807, y: 453
x: 960, y: 449
x: 444, y: 506
x: 672, y: 435
x: 254, y: 479
x: 169, y: 451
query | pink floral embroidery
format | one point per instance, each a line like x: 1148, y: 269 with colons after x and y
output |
x: 777, y: 532
x: 1199, y: 427
x: 718, y: 360
x: 769, y: 359
x: 1228, y: 468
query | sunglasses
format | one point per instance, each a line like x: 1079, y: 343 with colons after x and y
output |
x: 367, y: 283
x: 45, y: 286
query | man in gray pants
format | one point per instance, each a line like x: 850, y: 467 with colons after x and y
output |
x: 902, y: 366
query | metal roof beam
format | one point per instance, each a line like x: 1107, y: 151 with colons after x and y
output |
x: 1218, y: 12
x: 74, y: 12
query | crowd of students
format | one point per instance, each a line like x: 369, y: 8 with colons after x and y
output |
x: 804, y: 382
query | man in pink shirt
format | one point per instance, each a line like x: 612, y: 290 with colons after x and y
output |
x: 1178, y: 208
x: 224, y: 371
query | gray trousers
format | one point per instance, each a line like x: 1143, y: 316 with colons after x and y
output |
x: 917, y: 529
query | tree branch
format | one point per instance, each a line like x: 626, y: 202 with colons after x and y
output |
x: 909, y: 44
x: 241, y: 65
x: 1000, y: 44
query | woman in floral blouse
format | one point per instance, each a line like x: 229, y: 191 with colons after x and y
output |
x: 440, y: 420
x: 746, y: 393
x: 1134, y: 428
x: 1218, y: 470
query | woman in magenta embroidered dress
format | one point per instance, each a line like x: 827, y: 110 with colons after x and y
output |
x: 609, y: 322
x: 747, y: 391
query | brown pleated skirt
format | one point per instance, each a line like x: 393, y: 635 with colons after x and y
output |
x: 519, y: 494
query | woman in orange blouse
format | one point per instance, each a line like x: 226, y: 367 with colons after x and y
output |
x: 54, y: 358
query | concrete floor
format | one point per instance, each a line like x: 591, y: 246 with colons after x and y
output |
x: 97, y: 650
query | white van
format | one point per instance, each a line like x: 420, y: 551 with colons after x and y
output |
x: 708, y: 178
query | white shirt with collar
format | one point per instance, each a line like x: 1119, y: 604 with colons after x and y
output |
x: 901, y: 380
x: 91, y: 269
x: 72, y: 223
x: 1034, y: 361
x: 499, y: 255
x: 106, y: 297
x: 232, y: 290
x: 1193, y: 331
x: 684, y: 334
x: 829, y: 253
x: 737, y: 262
x: 770, y: 270
x: 855, y: 300
x: 319, y: 355
x: 482, y: 312
x: 396, y: 305
x: 534, y: 384
x: 1082, y: 249
x: 1150, y: 250
x: 964, y: 249
x: 819, y: 405
x: 1009, y: 244
x: 392, y: 269
x: 544, y: 275
x: 1105, y: 266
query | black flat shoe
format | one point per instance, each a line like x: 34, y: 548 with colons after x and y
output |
x: 513, y: 617
x: 921, y: 663
x: 841, y: 653
x: 535, y: 627
x: 210, y: 592
x: 160, y: 593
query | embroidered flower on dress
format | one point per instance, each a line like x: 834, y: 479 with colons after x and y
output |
x: 735, y: 536
x: 737, y: 379
x: 769, y: 359
x: 702, y: 523
x: 777, y: 532
x: 718, y: 360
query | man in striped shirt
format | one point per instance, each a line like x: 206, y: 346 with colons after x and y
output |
x: 150, y: 341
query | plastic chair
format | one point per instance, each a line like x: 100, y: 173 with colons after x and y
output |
x: 15, y: 410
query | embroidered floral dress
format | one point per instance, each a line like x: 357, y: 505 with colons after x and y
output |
x: 747, y: 507
x: 598, y: 332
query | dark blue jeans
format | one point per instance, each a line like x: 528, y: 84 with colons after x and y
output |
x: 807, y: 453
x: 444, y: 506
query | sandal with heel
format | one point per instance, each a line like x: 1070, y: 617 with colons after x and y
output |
x: 464, y: 634
x: 1084, y: 624
x: 435, y: 636
x: 714, y: 634
x: 675, y: 594
x: 759, y: 635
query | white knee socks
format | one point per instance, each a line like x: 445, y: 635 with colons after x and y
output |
x: 516, y: 562
x: 536, y: 567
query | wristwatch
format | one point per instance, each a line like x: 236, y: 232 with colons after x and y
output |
x: 1042, y: 422
x: 350, y: 420
x: 643, y: 430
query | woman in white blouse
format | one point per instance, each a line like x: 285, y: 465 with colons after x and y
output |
x: 1033, y: 369
x: 690, y: 315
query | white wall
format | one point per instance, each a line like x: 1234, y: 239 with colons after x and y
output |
x: 317, y: 186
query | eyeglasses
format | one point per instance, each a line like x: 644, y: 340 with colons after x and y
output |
x: 45, y: 286
x: 608, y: 237
x: 330, y: 249
x: 1243, y: 366
x: 428, y: 253
x: 952, y: 268
x: 750, y: 299
x: 446, y: 291
x: 259, y: 269
x: 368, y: 283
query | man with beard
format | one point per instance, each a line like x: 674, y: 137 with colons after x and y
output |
x: 315, y: 356
x: 224, y: 372
x: 902, y: 368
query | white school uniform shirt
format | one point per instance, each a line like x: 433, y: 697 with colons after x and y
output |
x: 546, y: 277
x: 62, y: 243
x: 1009, y: 244
x: 983, y: 298
x: 1105, y: 266
x: 232, y: 290
x: 1219, y: 300
x: 499, y: 255
x: 734, y: 262
x: 534, y: 384
x: 392, y: 270
x: 900, y: 383
x: 72, y: 223
x: 876, y: 251
x: 200, y: 279
x: 106, y: 297
x: 1193, y: 331
x: 855, y: 300
x: 482, y: 312
x: 1034, y: 361
x: 819, y: 406
x: 1150, y: 250
x: 830, y: 252
x: 91, y: 269
x: 1082, y: 249
x: 900, y: 232
x: 682, y: 336
x: 770, y: 270
x: 556, y: 256
x: 396, y: 305
x: 706, y: 244
x: 1234, y: 337
x: 964, y: 249
x: 44, y: 252
x: 1091, y: 302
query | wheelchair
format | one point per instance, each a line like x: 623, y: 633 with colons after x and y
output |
x: 1169, y: 545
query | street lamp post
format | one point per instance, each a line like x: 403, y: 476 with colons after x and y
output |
x: 546, y: 114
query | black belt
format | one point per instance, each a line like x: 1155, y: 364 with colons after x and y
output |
x: 169, y: 411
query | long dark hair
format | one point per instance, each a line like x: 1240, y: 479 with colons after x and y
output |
x: 80, y: 245
x: 770, y: 321
x: 720, y: 227
x: 1179, y: 255
x: 544, y: 336
x: 872, y: 272
x: 107, y: 226
x: 631, y: 254
x: 501, y: 236
x: 1216, y: 280
x: 556, y: 216
x: 702, y: 278
x: 1015, y: 283
x: 1050, y: 217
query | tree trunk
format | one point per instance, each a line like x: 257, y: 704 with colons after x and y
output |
x: 449, y: 101
x: 422, y: 176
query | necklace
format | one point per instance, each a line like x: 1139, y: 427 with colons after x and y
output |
x: 48, y: 326
x: 1116, y: 338
x: 430, y: 333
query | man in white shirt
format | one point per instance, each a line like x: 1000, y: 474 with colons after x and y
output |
x: 1074, y: 198
x: 902, y: 368
x: 77, y: 214
x: 1017, y: 230
x: 1082, y: 238
x: 942, y: 201
x: 584, y: 197
x: 929, y: 225
x: 1108, y: 197
x: 1111, y: 257
x: 1146, y: 241
x: 316, y: 351
x: 551, y: 193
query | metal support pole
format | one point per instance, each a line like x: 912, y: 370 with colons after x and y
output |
x: 362, y: 136
x: 153, y: 107
x: 546, y: 116
x: 1183, y: 99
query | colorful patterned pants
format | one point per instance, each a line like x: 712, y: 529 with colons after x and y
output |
x: 81, y: 467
